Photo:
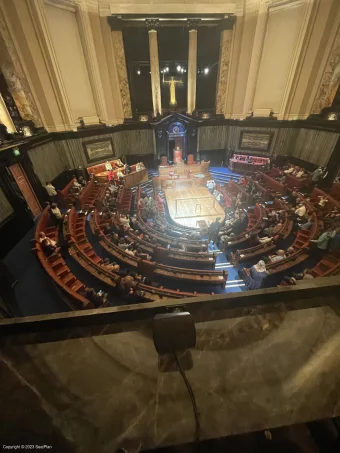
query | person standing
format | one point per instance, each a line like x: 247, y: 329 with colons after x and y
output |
x: 52, y: 193
x: 317, y: 175
x: 214, y: 229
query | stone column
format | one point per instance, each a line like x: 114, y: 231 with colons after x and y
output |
x: 152, y: 24
x: 84, y: 26
x: 192, y: 65
x: 37, y: 12
x: 226, y: 44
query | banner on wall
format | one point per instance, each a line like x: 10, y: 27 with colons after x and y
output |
x: 255, y: 141
x: 98, y: 149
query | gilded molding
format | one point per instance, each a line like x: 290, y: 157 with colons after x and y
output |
x: 330, y: 80
x: 118, y: 47
x: 223, y: 70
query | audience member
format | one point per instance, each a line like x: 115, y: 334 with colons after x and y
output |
x: 214, y: 229
x: 317, y: 175
x: 48, y: 248
x: 52, y: 193
x: 308, y: 225
x: 98, y: 299
x: 257, y: 274
x: 280, y: 255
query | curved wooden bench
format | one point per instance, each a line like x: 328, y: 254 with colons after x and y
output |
x: 57, y: 269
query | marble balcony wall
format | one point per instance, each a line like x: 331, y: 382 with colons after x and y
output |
x: 249, y: 373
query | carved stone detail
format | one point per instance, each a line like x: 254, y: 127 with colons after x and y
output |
x: 118, y: 47
x: 330, y: 79
x: 193, y: 24
x: 223, y: 70
x: 152, y: 24
x: 15, y: 78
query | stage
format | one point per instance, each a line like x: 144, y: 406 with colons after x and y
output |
x: 187, y: 206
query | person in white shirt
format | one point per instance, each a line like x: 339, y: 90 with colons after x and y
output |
x: 300, y: 173
x: 55, y: 211
x: 42, y: 237
x: 289, y: 171
x: 322, y: 202
x: 301, y: 210
x: 52, y: 193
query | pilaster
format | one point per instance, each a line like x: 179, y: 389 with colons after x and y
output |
x: 154, y: 67
x: 192, y: 65
x: 226, y: 46
x: 84, y: 26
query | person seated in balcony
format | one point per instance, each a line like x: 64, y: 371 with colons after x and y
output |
x: 139, y: 166
x: 97, y: 298
x: 48, y: 248
x: 76, y: 185
x: 124, y: 219
x: 322, y: 201
x: 107, y: 229
x: 300, y: 211
x: 122, y: 244
x: 301, y: 174
x: 296, y: 279
x: 257, y: 274
x: 292, y: 198
x: 289, y: 170
x: 115, y: 238
x: 280, y: 255
x: 143, y: 255
x: 307, y: 225
x: 82, y: 181
x: 42, y: 237
x: 113, y: 267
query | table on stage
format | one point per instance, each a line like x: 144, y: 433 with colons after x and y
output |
x: 180, y: 181
x: 181, y: 168
x: 191, y: 205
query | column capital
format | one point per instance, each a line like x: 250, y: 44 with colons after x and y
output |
x: 193, y: 24
x: 152, y: 24
x: 227, y: 23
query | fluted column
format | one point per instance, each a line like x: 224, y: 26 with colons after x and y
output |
x: 84, y: 26
x: 152, y: 24
x: 192, y: 65
x: 37, y: 11
x: 226, y: 44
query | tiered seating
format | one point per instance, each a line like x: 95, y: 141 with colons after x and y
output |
x: 300, y: 245
x: 328, y: 266
x: 149, y: 269
x: 56, y: 267
x: 256, y: 218
x: 64, y: 196
x: 272, y: 184
x: 262, y: 249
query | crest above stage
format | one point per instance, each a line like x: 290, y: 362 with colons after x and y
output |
x: 176, y: 132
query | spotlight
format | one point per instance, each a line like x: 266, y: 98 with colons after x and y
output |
x: 182, y: 70
x: 178, y: 68
x: 167, y: 69
x: 185, y: 70
x: 138, y: 72
x: 206, y: 70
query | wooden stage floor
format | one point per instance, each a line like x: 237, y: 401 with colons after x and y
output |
x: 189, y: 205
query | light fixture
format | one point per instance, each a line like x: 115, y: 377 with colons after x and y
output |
x: 167, y: 69
x: 178, y: 68
x: 182, y: 70
x: 206, y: 70
x: 138, y: 72
x: 185, y: 70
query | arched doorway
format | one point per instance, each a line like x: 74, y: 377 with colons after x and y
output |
x: 176, y: 138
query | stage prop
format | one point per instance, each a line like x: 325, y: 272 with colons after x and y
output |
x: 192, y: 206
x: 181, y: 181
x: 180, y: 168
x: 244, y: 163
